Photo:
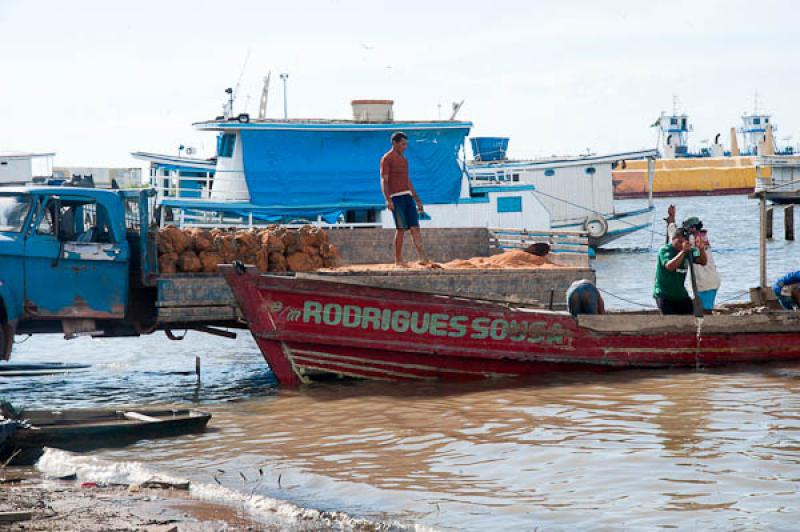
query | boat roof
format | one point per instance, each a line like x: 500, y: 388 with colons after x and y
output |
x: 172, y: 160
x: 61, y: 191
x: 568, y: 161
x: 24, y: 154
x: 324, y: 124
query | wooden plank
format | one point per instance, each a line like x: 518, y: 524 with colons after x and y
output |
x: 788, y: 222
x: 201, y: 314
x: 644, y: 324
x: 636, y: 323
x: 140, y: 417
x: 190, y: 290
x: 13, y: 517
x: 553, y: 249
x: 567, y: 240
x: 502, y: 230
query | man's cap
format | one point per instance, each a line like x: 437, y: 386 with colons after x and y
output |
x: 693, y: 222
x: 682, y: 232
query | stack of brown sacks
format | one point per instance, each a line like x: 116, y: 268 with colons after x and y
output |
x: 274, y: 249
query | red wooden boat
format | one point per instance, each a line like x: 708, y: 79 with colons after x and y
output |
x: 312, y: 328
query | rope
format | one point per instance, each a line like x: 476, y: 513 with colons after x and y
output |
x: 796, y: 181
x: 626, y: 300
x: 730, y: 298
x: 593, y: 211
x: 735, y: 296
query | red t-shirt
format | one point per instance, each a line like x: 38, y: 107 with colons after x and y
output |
x: 395, y: 166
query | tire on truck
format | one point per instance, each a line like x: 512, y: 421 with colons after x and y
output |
x: 6, y: 334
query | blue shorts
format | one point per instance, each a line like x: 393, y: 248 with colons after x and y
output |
x: 405, y: 212
x: 583, y: 298
x: 787, y: 302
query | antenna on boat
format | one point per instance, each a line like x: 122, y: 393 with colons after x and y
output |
x: 227, y: 109
x: 284, y: 76
x: 456, y: 109
x: 239, y: 81
x: 262, y: 105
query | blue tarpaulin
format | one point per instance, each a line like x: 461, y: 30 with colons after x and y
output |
x: 341, y: 168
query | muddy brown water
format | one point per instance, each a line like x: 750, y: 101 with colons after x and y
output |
x: 707, y: 449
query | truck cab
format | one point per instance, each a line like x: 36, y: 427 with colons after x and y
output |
x: 84, y: 261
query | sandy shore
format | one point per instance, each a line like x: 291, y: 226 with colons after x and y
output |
x: 71, y: 505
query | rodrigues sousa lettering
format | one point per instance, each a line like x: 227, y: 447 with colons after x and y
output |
x: 434, y: 324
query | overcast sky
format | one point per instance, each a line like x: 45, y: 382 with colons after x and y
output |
x: 95, y: 80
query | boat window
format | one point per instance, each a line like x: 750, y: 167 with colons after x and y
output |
x: 549, y: 172
x: 13, y: 211
x: 590, y: 170
x: 514, y: 177
x: 766, y: 120
x: 509, y: 204
x: 225, y: 145
x: 673, y: 122
x: 756, y: 120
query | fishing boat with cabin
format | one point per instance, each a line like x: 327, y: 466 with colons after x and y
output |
x: 325, y: 171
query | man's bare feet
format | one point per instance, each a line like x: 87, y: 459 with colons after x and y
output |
x: 401, y: 265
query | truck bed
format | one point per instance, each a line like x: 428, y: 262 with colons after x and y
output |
x: 196, y: 297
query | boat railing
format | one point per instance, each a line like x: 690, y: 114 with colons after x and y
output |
x: 560, y: 242
x: 216, y: 219
x: 192, y: 187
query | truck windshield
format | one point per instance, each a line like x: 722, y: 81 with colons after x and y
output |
x: 13, y: 211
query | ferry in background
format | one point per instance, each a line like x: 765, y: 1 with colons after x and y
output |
x: 326, y: 172
x: 711, y: 171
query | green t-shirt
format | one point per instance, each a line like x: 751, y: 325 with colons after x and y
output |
x: 669, y: 285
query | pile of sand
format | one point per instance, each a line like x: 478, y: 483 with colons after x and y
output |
x: 513, y: 259
x: 274, y: 249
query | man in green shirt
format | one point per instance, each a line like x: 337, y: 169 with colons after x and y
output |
x: 669, y: 291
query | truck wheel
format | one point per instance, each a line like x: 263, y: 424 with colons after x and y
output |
x: 6, y: 340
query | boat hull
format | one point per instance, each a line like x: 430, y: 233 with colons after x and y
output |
x: 85, y: 430
x: 311, y: 329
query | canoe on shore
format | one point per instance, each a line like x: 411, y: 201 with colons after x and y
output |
x: 314, y: 329
x: 87, y: 429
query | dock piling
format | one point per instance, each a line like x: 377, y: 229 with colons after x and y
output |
x: 788, y: 222
x: 197, y: 367
x: 769, y: 223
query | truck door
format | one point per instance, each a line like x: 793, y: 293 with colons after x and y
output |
x: 76, y: 261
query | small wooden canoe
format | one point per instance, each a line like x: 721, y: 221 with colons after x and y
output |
x: 35, y: 369
x: 87, y: 429
x: 312, y: 329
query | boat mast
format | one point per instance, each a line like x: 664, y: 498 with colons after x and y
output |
x: 284, y: 77
x: 262, y: 106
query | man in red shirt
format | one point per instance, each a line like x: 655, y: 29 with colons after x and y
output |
x: 401, y: 198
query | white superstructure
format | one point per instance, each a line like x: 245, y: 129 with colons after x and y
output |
x: 19, y: 168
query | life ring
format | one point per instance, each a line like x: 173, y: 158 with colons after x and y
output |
x: 596, y: 226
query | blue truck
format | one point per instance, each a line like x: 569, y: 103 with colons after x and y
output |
x: 83, y: 261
